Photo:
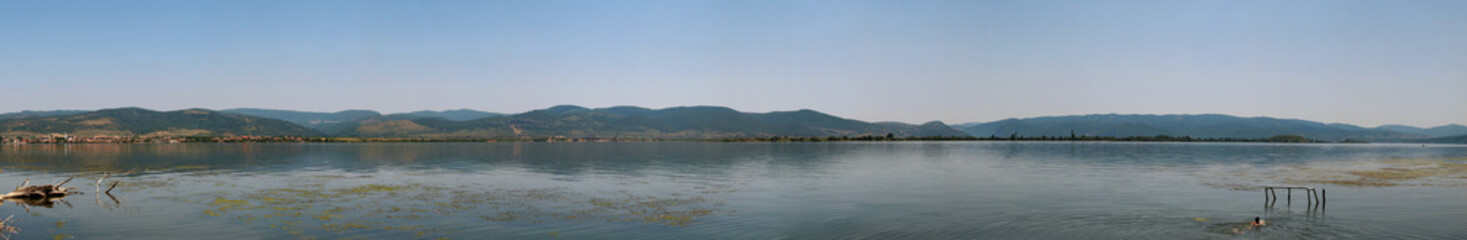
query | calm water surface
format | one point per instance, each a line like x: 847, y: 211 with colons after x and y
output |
x: 681, y: 190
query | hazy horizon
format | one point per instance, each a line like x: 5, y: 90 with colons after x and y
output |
x: 1365, y: 63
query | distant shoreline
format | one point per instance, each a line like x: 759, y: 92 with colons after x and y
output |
x: 864, y: 138
x: 1158, y: 138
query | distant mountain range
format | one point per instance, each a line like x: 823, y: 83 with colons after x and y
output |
x: 679, y: 122
x: 30, y: 114
x: 569, y: 121
x: 698, y: 122
x: 1204, y: 126
x: 143, y: 122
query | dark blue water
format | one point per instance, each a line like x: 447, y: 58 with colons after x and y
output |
x: 685, y: 190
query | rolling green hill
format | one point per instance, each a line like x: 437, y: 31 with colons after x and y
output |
x: 143, y: 122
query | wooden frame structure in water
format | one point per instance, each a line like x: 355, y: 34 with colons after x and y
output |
x: 1312, y: 196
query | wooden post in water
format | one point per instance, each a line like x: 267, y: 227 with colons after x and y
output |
x: 1322, y: 196
x: 1289, y: 194
x: 1309, y: 196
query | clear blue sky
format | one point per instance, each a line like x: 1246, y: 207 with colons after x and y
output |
x: 1358, y: 62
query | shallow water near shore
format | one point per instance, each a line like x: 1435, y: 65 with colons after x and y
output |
x: 694, y: 190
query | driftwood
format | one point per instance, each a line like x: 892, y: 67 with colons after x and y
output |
x: 98, y: 198
x: 39, y: 191
x: 104, y: 178
x: 6, y: 229
x: 99, y: 180
x: 40, y: 195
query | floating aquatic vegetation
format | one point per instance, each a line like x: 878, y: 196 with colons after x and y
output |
x: 330, y: 205
x: 1381, y: 173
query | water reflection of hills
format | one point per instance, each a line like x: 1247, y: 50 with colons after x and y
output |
x: 552, y: 158
x: 136, y: 157
x: 575, y: 158
x: 619, y: 158
x: 1184, y: 154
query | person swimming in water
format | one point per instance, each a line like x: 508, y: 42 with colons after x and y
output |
x: 1255, y: 224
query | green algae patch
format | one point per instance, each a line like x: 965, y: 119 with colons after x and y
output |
x: 1394, y: 172
x: 224, y: 202
x: 374, y: 188
x: 348, y: 206
x: 345, y: 227
x: 1376, y: 173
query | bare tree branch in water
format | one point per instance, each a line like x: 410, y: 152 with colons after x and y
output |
x: 6, y: 229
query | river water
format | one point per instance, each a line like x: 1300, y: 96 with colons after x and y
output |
x: 695, y: 190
